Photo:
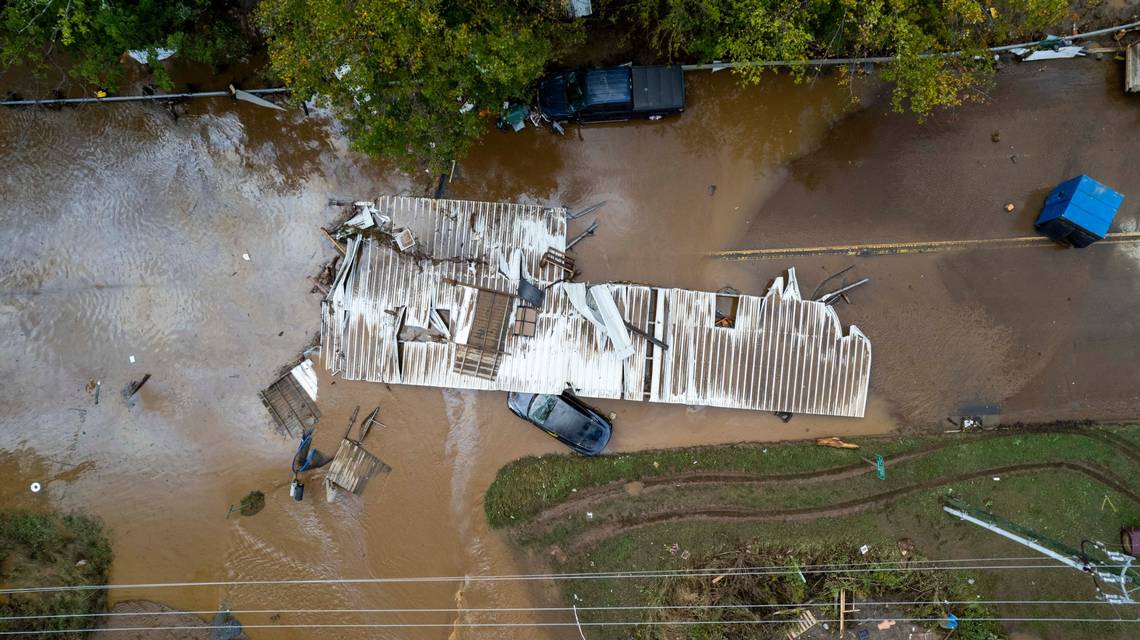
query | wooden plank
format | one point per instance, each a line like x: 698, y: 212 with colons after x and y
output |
x: 352, y: 466
x: 1132, y: 68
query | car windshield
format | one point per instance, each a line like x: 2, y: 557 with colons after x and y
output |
x: 540, y: 409
x: 574, y: 91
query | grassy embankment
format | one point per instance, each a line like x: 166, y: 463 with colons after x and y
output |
x: 718, y: 500
x: 49, y: 549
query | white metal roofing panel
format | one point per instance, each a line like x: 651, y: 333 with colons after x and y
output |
x: 783, y: 353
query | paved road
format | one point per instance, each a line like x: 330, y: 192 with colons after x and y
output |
x: 1042, y: 332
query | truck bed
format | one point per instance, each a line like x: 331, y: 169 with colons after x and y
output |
x: 658, y: 88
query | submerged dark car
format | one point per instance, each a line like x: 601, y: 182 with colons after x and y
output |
x: 618, y: 93
x: 565, y: 417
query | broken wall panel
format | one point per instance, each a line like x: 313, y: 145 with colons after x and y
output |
x: 353, y: 466
x: 291, y: 399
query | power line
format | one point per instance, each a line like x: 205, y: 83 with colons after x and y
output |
x: 458, y: 610
x: 143, y: 98
x: 826, y: 62
x: 617, y: 575
x: 627, y: 623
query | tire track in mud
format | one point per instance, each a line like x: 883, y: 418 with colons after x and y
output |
x: 618, y: 489
x: 1123, y: 445
x: 576, y: 503
x: 594, y: 535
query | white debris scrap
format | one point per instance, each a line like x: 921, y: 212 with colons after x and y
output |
x: 306, y: 376
x: 1057, y: 54
x: 142, y: 56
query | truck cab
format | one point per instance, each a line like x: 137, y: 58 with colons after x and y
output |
x: 612, y: 94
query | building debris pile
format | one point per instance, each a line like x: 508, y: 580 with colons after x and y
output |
x: 462, y: 294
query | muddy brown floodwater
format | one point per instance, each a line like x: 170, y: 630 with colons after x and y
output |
x: 123, y: 253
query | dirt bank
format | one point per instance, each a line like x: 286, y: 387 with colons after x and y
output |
x: 718, y: 491
x: 154, y: 620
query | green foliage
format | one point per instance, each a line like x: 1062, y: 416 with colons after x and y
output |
x: 414, y: 80
x: 921, y: 33
x: 32, y: 530
x: 38, y: 549
x: 93, y: 35
x: 526, y: 486
x: 252, y: 503
x: 767, y: 30
x: 696, y: 598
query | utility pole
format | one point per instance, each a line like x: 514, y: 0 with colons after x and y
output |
x: 1125, y: 581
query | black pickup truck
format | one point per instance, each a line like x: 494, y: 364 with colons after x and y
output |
x: 618, y: 93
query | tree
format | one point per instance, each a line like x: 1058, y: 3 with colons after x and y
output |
x: 414, y: 80
x: 939, y: 45
x: 93, y: 35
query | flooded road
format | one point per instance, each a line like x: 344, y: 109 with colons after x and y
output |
x: 125, y: 236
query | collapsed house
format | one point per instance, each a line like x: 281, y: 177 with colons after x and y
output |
x: 476, y: 295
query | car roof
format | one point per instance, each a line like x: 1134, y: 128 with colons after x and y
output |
x: 576, y: 425
x: 607, y: 86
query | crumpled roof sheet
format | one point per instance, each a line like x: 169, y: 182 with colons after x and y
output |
x: 782, y: 354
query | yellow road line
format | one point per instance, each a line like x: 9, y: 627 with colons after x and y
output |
x: 896, y: 248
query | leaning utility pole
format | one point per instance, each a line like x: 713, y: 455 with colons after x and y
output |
x: 1061, y: 553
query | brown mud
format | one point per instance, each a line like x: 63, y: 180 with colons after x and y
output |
x: 137, y: 619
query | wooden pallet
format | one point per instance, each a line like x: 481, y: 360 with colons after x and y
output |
x: 807, y: 621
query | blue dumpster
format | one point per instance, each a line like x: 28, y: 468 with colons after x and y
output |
x: 1079, y: 211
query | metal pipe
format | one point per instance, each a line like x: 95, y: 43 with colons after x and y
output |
x: 828, y: 298
x: 1016, y: 538
x: 829, y: 62
x: 586, y: 211
x: 578, y: 238
x: 638, y: 332
x: 157, y: 96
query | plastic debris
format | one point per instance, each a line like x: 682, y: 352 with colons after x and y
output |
x: 132, y: 359
x: 36, y: 487
x: 864, y: 549
x: 245, y: 256
x: 246, y: 96
x: 142, y: 56
x: 1057, y: 54
x: 835, y: 443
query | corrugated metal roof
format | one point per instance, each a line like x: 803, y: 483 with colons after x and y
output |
x: 782, y: 353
